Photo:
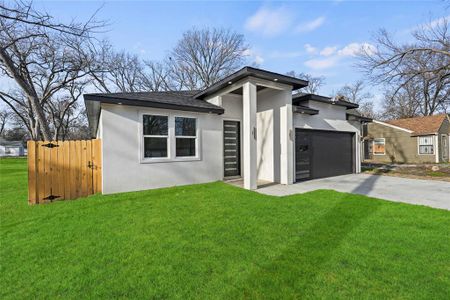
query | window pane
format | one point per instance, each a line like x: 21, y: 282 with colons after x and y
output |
x: 426, y: 150
x: 185, y: 147
x: 378, y: 149
x: 155, y: 147
x: 155, y: 125
x: 185, y: 126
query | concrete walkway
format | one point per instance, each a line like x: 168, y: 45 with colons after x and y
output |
x: 431, y: 193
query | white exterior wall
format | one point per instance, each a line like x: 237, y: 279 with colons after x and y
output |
x: 121, y: 146
x: 332, y: 118
x: 271, y: 107
x: 100, y: 126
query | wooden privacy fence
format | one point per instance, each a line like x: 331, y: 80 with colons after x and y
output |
x: 63, y: 170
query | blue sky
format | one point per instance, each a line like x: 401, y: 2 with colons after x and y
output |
x: 317, y: 37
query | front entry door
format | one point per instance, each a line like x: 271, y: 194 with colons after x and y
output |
x: 302, y: 156
x: 231, y: 148
x: 444, y: 147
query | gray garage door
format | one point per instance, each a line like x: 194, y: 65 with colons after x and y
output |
x: 321, y: 154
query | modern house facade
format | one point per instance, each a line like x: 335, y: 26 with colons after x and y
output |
x: 411, y: 140
x: 248, y: 125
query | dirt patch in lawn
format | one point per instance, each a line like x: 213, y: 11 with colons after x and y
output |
x: 426, y: 171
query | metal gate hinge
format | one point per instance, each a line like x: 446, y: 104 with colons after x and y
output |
x: 51, y: 197
x: 50, y: 145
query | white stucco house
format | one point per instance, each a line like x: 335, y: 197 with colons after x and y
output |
x: 249, y: 125
x: 11, y: 148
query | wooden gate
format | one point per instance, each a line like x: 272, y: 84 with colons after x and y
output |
x: 63, y: 170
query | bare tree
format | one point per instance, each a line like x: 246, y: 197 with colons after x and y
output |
x: 203, y: 57
x: 314, y: 83
x: 425, y: 63
x: 23, y: 12
x: 42, y: 58
x: 5, y: 116
x: 65, y: 111
x: 356, y: 93
x: 115, y: 71
x: 405, y: 103
x: 157, y: 77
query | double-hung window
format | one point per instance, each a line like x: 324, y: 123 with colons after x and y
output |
x: 185, y: 137
x: 426, y: 145
x: 156, y: 135
x: 379, y: 146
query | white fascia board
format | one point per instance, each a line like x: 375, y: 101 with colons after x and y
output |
x: 392, y: 126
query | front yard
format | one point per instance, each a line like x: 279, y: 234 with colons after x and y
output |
x: 424, y: 171
x: 219, y: 241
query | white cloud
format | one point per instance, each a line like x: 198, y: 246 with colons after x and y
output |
x: 437, y: 22
x: 269, y: 21
x: 255, y: 57
x: 310, y: 49
x: 258, y: 59
x: 354, y: 49
x: 312, y: 25
x: 321, y: 63
x: 429, y: 25
x: 332, y: 55
x: 327, y: 51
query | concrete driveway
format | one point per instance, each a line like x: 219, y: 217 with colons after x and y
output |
x: 431, y: 193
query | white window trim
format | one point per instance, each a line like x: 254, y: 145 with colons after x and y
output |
x: 373, y: 146
x: 197, y: 132
x: 142, y: 136
x: 433, y: 144
x: 171, y: 139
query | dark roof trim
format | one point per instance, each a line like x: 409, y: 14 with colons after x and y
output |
x: 305, y: 110
x: 153, y: 104
x: 312, y: 97
x: 296, y: 83
x: 359, y: 118
x: 93, y: 101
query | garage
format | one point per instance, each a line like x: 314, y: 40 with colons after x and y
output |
x: 321, y: 154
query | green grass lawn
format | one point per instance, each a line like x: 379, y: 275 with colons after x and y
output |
x: 218, y: 241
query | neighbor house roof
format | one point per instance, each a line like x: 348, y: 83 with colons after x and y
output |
x: 420, y: 125
x: 302, y: 97
x: 296, y: 83
x: 4, y: 142
x: 177, y: 100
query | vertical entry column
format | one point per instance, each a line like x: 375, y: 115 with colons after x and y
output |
x: 249, y: 135
x: 287, y: 145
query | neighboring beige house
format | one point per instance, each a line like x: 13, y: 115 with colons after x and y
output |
x: 411, y: 140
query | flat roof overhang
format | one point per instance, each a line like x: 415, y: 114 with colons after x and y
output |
x: 352, y: 117
x: 304, y: 110
x: 296, y: 83
x: 93, y: 107
x: 313, y: 97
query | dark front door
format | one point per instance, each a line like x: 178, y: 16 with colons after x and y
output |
x: 323, y: 154
x: 302, y: 156
x: 231, y: 148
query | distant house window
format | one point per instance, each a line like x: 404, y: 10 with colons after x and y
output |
x: 379, y: 146
x: 185, y: 136
x: 426, y: 145
x: 156, y: 134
